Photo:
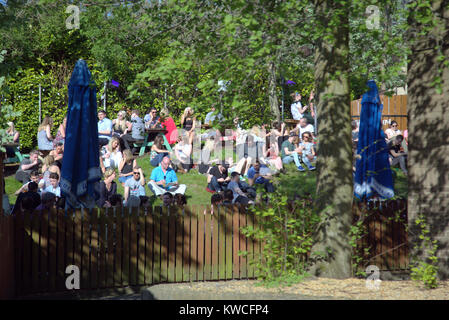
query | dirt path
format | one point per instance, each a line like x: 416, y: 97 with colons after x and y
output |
x: 322, y: 288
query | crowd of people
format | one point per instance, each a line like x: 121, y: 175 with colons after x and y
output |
x: 262, y: 152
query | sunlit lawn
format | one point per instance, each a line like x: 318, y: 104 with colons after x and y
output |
x: 196, y: 193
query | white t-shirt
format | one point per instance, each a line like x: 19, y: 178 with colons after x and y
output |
x: 307, y: 128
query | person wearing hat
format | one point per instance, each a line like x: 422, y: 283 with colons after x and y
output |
x: 289, y: 152
x: 217, y: 178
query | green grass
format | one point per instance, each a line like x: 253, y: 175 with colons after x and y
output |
x: 291, y: 182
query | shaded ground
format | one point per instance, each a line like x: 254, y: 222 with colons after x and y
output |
x: 322, y: 288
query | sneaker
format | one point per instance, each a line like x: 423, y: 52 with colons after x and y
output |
x: 300, y: 168
x: 311, y: 168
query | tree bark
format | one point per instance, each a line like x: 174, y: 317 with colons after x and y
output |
x: 274, y: 104
x: 334, y: 152
x: 428, y: 123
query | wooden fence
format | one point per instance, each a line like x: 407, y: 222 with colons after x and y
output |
x: 395, y: 108
x: 149, y: 246
x: 385, y: 234
x: 118, y: 249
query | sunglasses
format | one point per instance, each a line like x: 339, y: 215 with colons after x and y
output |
x: 136, y: 173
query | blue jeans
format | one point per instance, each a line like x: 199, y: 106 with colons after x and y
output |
x: 292, y: 157
x: 214, y: 185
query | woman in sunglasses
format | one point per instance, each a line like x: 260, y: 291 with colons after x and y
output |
x: 392, y: 131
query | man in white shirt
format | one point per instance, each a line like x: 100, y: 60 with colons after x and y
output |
x: 303, y: 126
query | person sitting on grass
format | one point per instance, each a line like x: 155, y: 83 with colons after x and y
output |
x: 180, y: 200
x: 110, y: 155
x: 158, y: 151
x: 49, y: 167
x: 290, y: 152
x: 54, y: 185
x: 217, y: 178
x: 228, y: 196
x: 167, y: 199
x: 258, y: 174
x: 108, y: 188
x: 133, y: 188
x: 47, y: 202
x: 239, y: 196
x: 126, y: 166
x: 308, y: 150
x: 27, y: 166
x: 183, y: 153
x: 396, y: 155
x: 31, y: 193
x: 58, y: 153
x: 163, y: 179
x: 34, y: 177
x: 216, y: 199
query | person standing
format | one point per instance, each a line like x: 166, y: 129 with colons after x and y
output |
x: 44, y: 137
x: 137, y: 131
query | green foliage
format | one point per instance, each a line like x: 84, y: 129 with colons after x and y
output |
x: 7, y: 113
x: 360, y: 254
x: 425, y: 270
x: 286, y: 229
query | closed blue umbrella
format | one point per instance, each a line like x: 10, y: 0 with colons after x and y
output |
x: 373, y: 173
x: 80, y: 171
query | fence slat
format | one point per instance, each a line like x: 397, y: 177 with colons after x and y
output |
x: 78, y: 239
x: 149, y: 241
x: 157, y: 244
x: 201, y: 242
x: 243, y: 244
x: 141, y: 248
x: 221, y: 213
x: 111, y: 234
x: 65, y: 252
x: 179, y: 244
x: 94, y: 249
x: 133, y: 246
x: 214, y: 223
x: 250, y: 246
x: 228, y: 241
x: 207, y: 244
x: 194, y: 240
x: 102, y: 242
x: 52, y: 250
x: 186, y: 252
x: 171, y: 244
x: 236, y: 242
x: 126, y: 247
x: 85, y: 271
x: 35, y: 251
x: 118, y: 216
x: 164, y: 244
x: 43, y: 252
x: 25, y: 275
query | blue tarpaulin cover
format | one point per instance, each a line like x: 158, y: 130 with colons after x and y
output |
x: 373, y: 177
x: 80, y: 173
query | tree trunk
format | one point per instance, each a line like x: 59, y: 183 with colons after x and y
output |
x: 273, y: 98
x: 428, y: 123
x: 334, y: 152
